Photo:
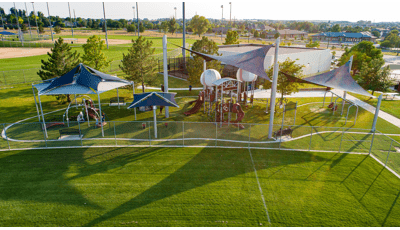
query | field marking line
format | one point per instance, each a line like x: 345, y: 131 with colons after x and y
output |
x: 259, y: 187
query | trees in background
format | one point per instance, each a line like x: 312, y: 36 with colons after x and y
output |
x: 172, y: 26
x: 373, y: 77
x: 93, y: 53
x: 138, y: 64
x: 199, y: 25
x: 232, y: 37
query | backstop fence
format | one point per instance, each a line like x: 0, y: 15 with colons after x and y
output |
x: 342, y: 140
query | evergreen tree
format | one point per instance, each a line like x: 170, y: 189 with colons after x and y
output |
x: 93, y: 53
x: 61, y: 60
x: 232, y: 37
x: 138, y: 64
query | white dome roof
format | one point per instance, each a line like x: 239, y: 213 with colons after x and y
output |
x: 209, y: 76
x: 243, y: 75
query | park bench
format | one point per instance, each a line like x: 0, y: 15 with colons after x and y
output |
x: 69, y: 131
x: 114, y: 101
x: 284, y: 132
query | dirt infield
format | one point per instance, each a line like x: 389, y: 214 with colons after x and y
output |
x: 22, y: 52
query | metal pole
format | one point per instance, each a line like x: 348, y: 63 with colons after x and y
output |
x: 133, y: 18
x: 118, y: 97
x: 51, y: 26
x: 37, y: 109
x: 101, y: 115
x: 5, y: 133
x: 70, y: 19
x: 155, y: 120
x: 29, y: 21
x: 105, y: 23
x: 43, y: 121
x: 149, y: 134
x: 115, y: 135
x: 309, y: 146
x: 87, y: 114
x: 75, y: 18
x: 341, y: 140
x: 80, y: 133
x: 222, y: 19
x: 133, y: 88
x: 343, y: 102
x: 221, y: 110
x: 295, y: 112
x: 273, y: 90
x: 184, y: 33
x: 249, y: 136
x: 323, y: 104
x: 183, y: 133
x: 230, y: 13
x: 283, y: 119
x: 355, y: 119
x: 21, y: 35
x: 165, y: 72
x: 376, y: 113
x: 137, y: 15
x: 389, y: 152
x: 372, y: 142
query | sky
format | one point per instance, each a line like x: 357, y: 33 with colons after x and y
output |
x: 338, y: 10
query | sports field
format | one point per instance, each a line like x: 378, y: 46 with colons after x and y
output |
x: 194, y: 187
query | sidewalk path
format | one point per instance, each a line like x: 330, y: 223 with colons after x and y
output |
x: 386, y: 116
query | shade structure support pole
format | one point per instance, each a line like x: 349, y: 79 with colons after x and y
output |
x: 216, y: 103
x: 222, y: 100
x: 184, y: 33
x: 86, y: 109
x: 37, y: 109
x: 273, y: 90
x: 105, y: 23
x: 204, y: 87
x: 376, y: 113
x: 155, y: 120
x: 343, y: 102
x: 323, y: 103
x: 44, y: 122
x: 101, y: 115
x: 165, y: 72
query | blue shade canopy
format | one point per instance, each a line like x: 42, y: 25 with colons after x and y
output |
x: 153, y: 99
x: 339, y: 78
x: 80, y: 80
x: 6, y: 33
x: 251, y: 61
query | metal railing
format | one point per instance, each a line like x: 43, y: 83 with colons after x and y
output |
x: 202, y: 134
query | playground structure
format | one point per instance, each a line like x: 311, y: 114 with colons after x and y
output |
x: 333, y: 105
x: 90, y: 111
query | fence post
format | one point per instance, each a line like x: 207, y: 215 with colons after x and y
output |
x: 372, y: 142
x: 309, y: 146
x: 115, y: 135
x: 341, y: 140
x: 5, y: 133
x: 23, y: 74
x: 216, y: 133
x: 43, y: 125
x: 4, y: 76
x: 183, y: 133
x: 249, y: 136
x: 80, y: 133
x: 149, y: 135
x: 389, y: 153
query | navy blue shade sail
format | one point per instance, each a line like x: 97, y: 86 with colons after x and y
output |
x: 153, y: 99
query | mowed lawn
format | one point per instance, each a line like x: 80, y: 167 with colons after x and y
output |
x: 194, y: 187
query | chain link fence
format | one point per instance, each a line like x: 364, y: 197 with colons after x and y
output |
x: 380, y: 146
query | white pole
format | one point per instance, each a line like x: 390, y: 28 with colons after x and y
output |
x: 70, y: 20
x: 165, y: 71
x: 37, y: 109
x: 51, y: 26
x: 155, y: 120
x: 204, y: 87
x: 184, y: 33
x: 34, y: 13
x: 44, y: 122
x: 105, y: 23
x: 87, y: 114
x: 345, y: 93
x: 20, y: 34
x: 273, y: 90
x: 101, y: 115
x: 376, y: 113
x: 29, y: 21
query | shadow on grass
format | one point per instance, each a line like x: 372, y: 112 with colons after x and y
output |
x: 204, y: 168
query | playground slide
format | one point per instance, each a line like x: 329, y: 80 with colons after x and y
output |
x: 196, y: 107
x: 93, y: 115
x: 240, y: 116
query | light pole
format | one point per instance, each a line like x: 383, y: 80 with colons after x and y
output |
x: 70, y: 20
x: 175, y: 12
x: 37, y: 26
x: 19, y: 29
x: 230, y: 13
x: 133, y: 20
x: 105, y: 25
x: 222, y: 7
x: 184, y: 33
x: 51, y: 26
x: 137, y: 15
x: 29, y: 22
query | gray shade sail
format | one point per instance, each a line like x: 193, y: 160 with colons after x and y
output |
x: 81, y: 80
x: 339, y: 78
x: 251, y: 61
x: 153, y: 99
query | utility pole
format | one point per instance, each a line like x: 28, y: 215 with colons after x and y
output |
x: 29, y: 21
x: 230, y: 13
x: 273, y: 90
x: 70, y: 20
x: 137, y: 14
x: 105, y: 23
x: 34, y: 13
x: 75, y: 18
x: 222, y: 19
x: 21, y: 36
x: 184, y: 33
x: 51, y: 26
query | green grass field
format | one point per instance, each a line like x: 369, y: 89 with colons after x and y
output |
x: 194, y: 187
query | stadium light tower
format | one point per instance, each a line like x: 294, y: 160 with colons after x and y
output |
x: 20, y: 34
x: 133, y: 20
x: 105, y: 23
x: 29, y: 21
x: 175, y: 12
x: 230, y: 13
x: 70, y: 20
x: 51, y: 26
x: 34, y: 13
x: 222, y: 19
